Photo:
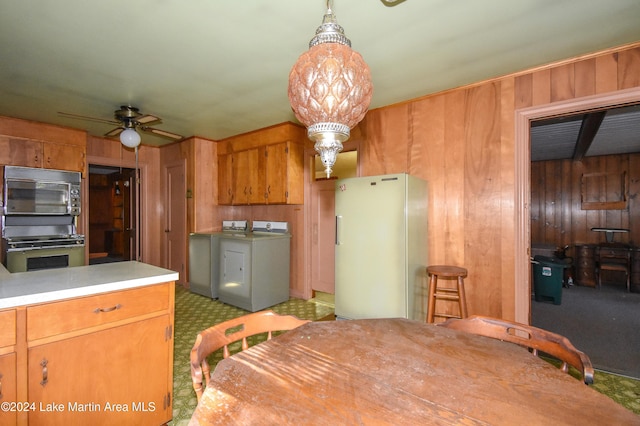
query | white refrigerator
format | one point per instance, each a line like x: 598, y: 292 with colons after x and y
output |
x: 381, y: 247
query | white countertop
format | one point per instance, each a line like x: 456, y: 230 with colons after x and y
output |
x: 26, y: 288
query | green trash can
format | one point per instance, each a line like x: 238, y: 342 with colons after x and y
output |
x: 548, y: 275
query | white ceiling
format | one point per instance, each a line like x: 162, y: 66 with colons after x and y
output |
x: 219, y: 68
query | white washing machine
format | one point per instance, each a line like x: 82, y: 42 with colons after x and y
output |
x: 204, y: 258
x: 254, y: 266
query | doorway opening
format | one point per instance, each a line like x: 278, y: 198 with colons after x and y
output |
x: 112, y: 214
x: 523, y: 240
x: 323, y: 226
x: 523, y: 119
x: 346, y: 166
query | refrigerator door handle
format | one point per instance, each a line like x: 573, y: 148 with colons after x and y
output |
x: 338, y: 228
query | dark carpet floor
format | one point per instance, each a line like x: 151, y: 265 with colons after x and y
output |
x: 603, y: 323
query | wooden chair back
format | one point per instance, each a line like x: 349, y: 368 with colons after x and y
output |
x: 536, y: 339
x: 220, y: 336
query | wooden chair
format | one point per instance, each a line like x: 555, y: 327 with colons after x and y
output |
x: 220, y: 336
x: 536, y: 339
x: 614, y: 257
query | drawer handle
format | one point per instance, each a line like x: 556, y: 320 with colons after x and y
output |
x: 113, y: 308
x: 0, y: 385
x: 45, y: 372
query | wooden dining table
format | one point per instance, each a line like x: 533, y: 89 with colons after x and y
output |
x: 393, y: 372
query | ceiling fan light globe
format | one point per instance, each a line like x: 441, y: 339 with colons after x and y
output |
x: 130, y: 138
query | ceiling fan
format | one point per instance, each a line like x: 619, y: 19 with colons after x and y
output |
x: 129, y: 118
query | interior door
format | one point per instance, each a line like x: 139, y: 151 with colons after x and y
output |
x: 176, y: 218
x: 323, y: 236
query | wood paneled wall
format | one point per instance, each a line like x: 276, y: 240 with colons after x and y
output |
x: 557, y: 216
x: 462, y: 142
x: 202, y: 183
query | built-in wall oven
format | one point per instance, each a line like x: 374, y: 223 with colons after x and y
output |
x: 40, y: 212
x: 32, y: 254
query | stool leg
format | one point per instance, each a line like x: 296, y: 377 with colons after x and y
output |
x: 462, y: 298
x: 431, y: 299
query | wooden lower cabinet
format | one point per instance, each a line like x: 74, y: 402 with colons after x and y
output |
x: 115, y: 376
x: 101, y: 360
x: 8, y: 365
x: 8, y: 388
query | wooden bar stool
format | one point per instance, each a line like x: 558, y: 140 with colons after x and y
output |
x: 454, y: 294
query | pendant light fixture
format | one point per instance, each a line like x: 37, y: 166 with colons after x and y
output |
x: 330, y: 89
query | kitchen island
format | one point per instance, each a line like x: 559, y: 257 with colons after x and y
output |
x: 87, y: 345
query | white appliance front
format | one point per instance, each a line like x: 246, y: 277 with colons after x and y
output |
x: 381, y: 249
x: 236, y: 269
x: 254, y: 266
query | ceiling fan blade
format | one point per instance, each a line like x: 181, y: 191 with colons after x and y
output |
x: 162, y: 133
x: 148, y: 118
x: 115, y: 132
x: 84, y: 117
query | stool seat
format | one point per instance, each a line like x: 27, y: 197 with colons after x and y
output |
x: 443, y: 293
x: 447, y: 271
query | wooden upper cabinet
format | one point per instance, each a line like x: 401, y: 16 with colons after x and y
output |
x: 64, y: 157
x: 271, y: 174
x: 38, y: 154
x: 20, y: 152
x: 248, y: 177
x: 265, y: 166
x: 284, y: 174
x: 31, y: 144
x: 225, y: 179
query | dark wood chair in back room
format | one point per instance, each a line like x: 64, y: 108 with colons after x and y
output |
x: 220, y: 336
x: 536, y: 339
x: 614, y: 257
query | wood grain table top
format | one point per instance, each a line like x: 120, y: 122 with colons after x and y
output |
x: 396, y: 371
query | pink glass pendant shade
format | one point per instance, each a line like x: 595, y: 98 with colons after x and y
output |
x: 330, y: 89
x: 330, y: 83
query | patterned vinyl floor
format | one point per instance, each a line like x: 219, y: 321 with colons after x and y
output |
x: 194, y: 313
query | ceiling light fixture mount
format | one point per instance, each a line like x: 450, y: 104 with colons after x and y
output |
x: 391, y: 3
x: 330, y: 89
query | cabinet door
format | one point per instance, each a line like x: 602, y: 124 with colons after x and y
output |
x: 276, y: 173
x: 248, y: 172
x: 285, y: 173
x: 121, y: 375
x: 8, y: 387
x: 20, y: 152
x: 64, y: 157
x: 225, y: 179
